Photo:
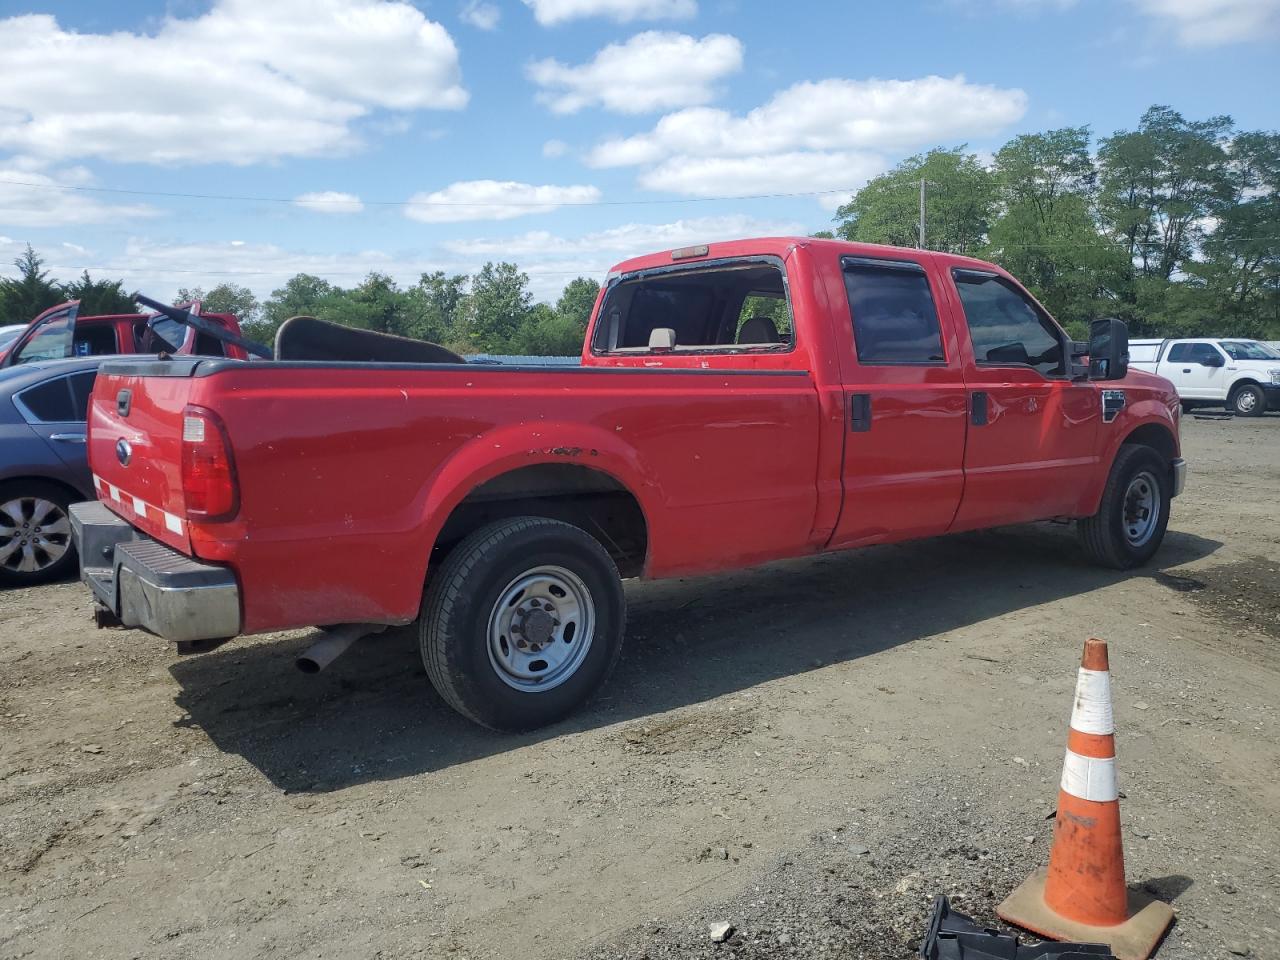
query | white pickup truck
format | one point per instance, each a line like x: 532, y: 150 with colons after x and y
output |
x: 1244, y: 375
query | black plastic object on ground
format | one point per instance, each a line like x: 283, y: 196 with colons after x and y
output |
x: 953, y: 936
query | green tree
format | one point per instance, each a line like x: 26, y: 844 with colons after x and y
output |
x: 1161, y: 183
x: 98, y: 297
x: 303, y: 295
x: 959, y: 193
x: 499, y: 305
x: 224, y: 298
x: 577, y: 301
x: 30, y: 293
x: 434, y: 307
x: 1046, y: 233
x: 547, y: 333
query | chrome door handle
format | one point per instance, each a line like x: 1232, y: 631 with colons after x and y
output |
x: 68, y: 437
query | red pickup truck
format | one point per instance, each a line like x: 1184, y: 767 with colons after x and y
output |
x: 736, y: 403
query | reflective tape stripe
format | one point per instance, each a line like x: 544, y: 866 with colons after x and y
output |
x: 1090, y: 778
x: 140, y: 507
x: 1092, y: 710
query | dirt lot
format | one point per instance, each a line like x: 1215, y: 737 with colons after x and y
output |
x: 809, y: 751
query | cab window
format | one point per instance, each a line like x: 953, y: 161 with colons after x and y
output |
x: 732, y: 307
x: 1006, y: 327
x: 894, y: 320
x: 1192, y: 353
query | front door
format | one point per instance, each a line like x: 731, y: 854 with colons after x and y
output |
x: 1031, y: 449
x: 904, y: 405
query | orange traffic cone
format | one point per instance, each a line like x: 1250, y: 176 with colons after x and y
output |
x: 1082, y: 896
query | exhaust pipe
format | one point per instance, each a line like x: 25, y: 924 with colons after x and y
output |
x: 333, y: 644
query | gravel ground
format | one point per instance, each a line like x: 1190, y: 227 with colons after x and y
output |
x: 808, y: 751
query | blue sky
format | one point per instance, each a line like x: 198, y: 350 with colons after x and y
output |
x: 562, y: 134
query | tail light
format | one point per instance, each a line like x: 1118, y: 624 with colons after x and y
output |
x: 208, y: 472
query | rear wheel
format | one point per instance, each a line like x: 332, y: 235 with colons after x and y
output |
x: 1248, y: 400
x: 522, y: 623
x: 1130, y: 523
x: 35, y: 533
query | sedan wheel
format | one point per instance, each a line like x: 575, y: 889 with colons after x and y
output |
x: 35, y: 538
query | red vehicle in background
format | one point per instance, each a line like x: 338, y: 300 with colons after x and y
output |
x: 736, y: 403
x: 60, y: 332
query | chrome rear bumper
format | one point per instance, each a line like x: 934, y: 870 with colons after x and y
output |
x: 145, y: 584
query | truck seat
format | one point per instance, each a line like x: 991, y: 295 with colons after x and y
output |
x: 759, y: 330
x: 308, y: 338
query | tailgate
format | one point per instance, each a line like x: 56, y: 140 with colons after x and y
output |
x: 135, y: 445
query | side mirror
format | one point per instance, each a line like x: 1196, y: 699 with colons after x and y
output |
x: 1108, y: 350
x: 1212, y: 360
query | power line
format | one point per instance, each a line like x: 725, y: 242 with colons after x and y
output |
x: 419, y: 203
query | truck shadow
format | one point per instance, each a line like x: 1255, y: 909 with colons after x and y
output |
x: 373, y: 716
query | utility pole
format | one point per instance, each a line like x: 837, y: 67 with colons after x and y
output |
x: 920, y: 242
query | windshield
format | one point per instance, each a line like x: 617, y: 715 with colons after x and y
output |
x: 1249, y: 350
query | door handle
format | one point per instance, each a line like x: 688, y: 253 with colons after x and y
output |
x: 1186, y: 369
x: 68, y: 437
x: 979, y: 408
x: 860, y: 412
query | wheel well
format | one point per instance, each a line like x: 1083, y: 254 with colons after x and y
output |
x: 587, y: 498
x: 1243, y: 382
x: 71, y: 491
x: 1155, y: 436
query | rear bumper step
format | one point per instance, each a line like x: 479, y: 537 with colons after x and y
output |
x: 145, y: 584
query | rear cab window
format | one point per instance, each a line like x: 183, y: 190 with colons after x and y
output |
x: 727, y: 307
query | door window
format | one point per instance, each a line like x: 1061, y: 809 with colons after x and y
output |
x: 1007, y: 329
x: 48, y: 402
x: 894, y: 320
x: 1192, y: 352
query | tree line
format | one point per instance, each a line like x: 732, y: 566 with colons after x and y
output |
x: 1173, y: 226
x: 491, y: 311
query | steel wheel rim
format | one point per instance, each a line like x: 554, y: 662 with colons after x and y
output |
x: 1141, y: 508
x: 1246, y: 401
x: 34, y: 534
x: 540, y: 629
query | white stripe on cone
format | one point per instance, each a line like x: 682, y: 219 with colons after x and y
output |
x: 1090, y: 778
x: 1092, y: 710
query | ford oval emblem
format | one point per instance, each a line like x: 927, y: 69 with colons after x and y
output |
x: 123, y: 451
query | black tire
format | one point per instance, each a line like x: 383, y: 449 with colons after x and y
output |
x: 1247, y: 400
x: 467, y: 591
x: 25, y: 493
x: 1105, y: 536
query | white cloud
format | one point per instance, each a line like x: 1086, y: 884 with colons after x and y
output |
x: 651, y: 71
x: 554, y: 148
x: 797, y: 172
x: 222, y: 87
x: 330, y: 201
x: 831, y: 114
x: 493, y: 200
x: 44, y: 205
x: 624, y: 241
x: 551, y: 12
x: 1211, y: 23
x: 482, y: 16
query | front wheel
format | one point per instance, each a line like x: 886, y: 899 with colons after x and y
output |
x: 1248, y: 400
x: 1130, y: 523
x: 522, y: 623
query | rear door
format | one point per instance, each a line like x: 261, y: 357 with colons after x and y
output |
x: 904, y: 403
x: 1198, y: 370
x: 1031, y: 447
x: 55, y: 410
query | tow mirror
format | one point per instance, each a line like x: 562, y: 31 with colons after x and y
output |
x: 1108, y: 350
